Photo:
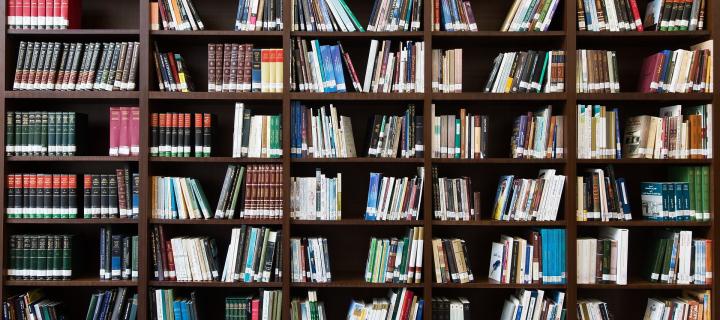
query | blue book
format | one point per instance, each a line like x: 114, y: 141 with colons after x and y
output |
x: 248, y: 274
x: 186, y: 313
x: 651, y: 198
x: 447, y: 21
x: 408, y: 17
x: 672, y: 201
x: 545, y: 261
x: 371, y: 209
x: 665, y: 70
x: 311, y: 262
x: 620, y: 187
x: 135, y: 195
x: 177, y: 310
x: 133, y: 308
x: 563, y: 250
x: 239, y: 15
x: 338, y: 70
x: 256, y: 74
x: 421, y: 306
x: 116, y: 256
x: 528, y: 263
x: 327, y: 69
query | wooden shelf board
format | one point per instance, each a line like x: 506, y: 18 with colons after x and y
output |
x: 643, y: 285
x: 215, y: 33
x: 357, y: 160
x: 353, y: 283
x: 638, y: 36
x: 73, y: 221
x: 358, y: 35
x: 232, y: 222
x: 645, y: 161
x: 234, y: 96
x: 213, y: 284
x: 487, y: 96
x: 639, y: 96
x: 71, y: 159
x: 499, y: 34
x: 486, y: 284
x: 81, y: 282
x: 356, y: 96
x: 215, y: 160
x: 497, y: 161
x: 496, y: 223
x: 645, y: 223
x: 357, y: 222
x: 46, y: 94
x: 82, y: 32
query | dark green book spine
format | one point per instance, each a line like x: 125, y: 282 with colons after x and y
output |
x: 42, y: 267
x: 66, y: 257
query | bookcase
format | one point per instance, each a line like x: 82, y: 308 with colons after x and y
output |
x: 128, y: 20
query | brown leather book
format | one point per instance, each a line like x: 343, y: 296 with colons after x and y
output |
x: 226, y: 67
x: 211, y: 67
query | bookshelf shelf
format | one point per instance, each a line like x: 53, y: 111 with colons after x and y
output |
x: 214, y: 284
x: 643, y: 36
x: 496, y: 223
x: 498, y: 161
x: 494, y: 285
x: 643, y: 285
x: 218, y: 222
x: 215, y: 34
x: 71, y: 283
x: 645, y: 224
x: 512, y: 97
x: 355, y: 96
x: 646, y: 161
x: 358, y: 35
x: 74, y: 32
x: 357, y: 222
x: 354, y: 284
x: 72, y: 221
x: 230, y: 96
x: 358, y: 160
x: 71, y: 159
x: 215, y: 160
x: 646, y: 97
x: 98, y: 95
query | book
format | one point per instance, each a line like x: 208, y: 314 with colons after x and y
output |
x: 681, y: 259
x: 310, y: 260
x: 451, y: 308
x: 76, y: 66
x: 178, y: 198
x: 615, y: 16
x: 598, y: 132
x: 596, y: 258
x: 589, y: 309
x: 451, y: 261
x: 253, y: 255
x: 124, y: 131
x: 40, y: 257
x: 33, y: 304
x: 184, y: 258
x: 402, y: 15
x: 45, y: 133
x: 396, y: 136
x: 597, y: 72
x: 118, y: 255
x: 668, y: 15
x: 454, y: 15
x: 256, y: 136
x: 172, y: 72
x: 538, y: 135
x: 677, y: 71
x: 44, y: 15
x: 165, y: 305
x: 447, y: 70
x: 459, y: 136
x: 42, y: 196
x: 534, y: 304
x: 527, y: 71
x: 529, y: 15
x: 320, y: 132
x: 398, y: 304
x: 601, y: 196
x: 538, y: 259
x: 324, y: 15
x: 253, y: 192
x: 519, y: 199
x: 698, y: 196
x: 307, y: 308
x: 119, y: 303
x: 237, y: 67
x: 668, y: 201
x: 394, y: 198
x: 265, y: 305
x: 316, y: 198
x: 698, y: 303
x: 265, y: 16
x: 174, y: 134
x: 109, y: 195
x: 396, y: 260
x: 177, y: 15
x: 454, y: 199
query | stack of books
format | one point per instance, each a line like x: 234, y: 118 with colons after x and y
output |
x: 396, y: 260
x: 254, y: 255
x: 396, y: 136
x: 118, y: 255
x: 391, y: 198
x: 320, y: 133
x: 668, y: 15
x: 63, y: 66
x: 178, y: 198
x: 454, y: 199
x: 43, y: 133
x: 42, y: 196
x: 591, y: 309
x: 603, y: 260
x: 117, y: 303
x: 307, y: 309
x: 49, y: 14
x: 175, y: 15
x: 172, y: 72
x: 682, y: 259
x: 597, y: 72
x: 33, y: 304
x: 451, y: 308
x: 678, y: 71
x: 316, y: 198
x: 40, y: 257
x: 124, y: 131
x: 451, y: 261
x: 165, y: 306
x: 529, y: 15
x: 234, y: 67
x: 310, y: 260
x: 538, y: 135
x: 601, y: 196
x: 256, y: 136
x: 447, y: 70
x: 176, y: 134
x: 399, y: 304
x: 520, y: 199
x: 268, y: 16
x: 534, y: 304
x: 462, y: 136
x: 527, y: 71
x: 538, y: 260
x: 324, y: 15
x: 183, y: 258
x: 453, y: 15
x: 622, y: 15
x: 695, y: 302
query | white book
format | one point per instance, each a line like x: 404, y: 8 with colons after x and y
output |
x: 370, y: 65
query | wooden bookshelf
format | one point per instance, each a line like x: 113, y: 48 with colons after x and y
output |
x: 128, y: 20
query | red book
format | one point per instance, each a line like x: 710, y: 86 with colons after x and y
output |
x: 56, y: 185
x: 11, y: 13
x: 72, y: 186
x: 47, y: 185
x: 33, y: 14
x: 87, y: 187
x: 173, y: 69
x: 135, y: 131
x: 41, y: 23
x: 170, y: 260
x: 64, y: 186
x: 636, y: 15
x: 57, y: 15
x: 70, y: 11
x: 124, y: 139
x: 406, y: 304
x: 163, y: 252
x: 49, y: 14
x: 255, y: 307
x: 114, y: 131
x: 648, y: 71
x: 25, y: 14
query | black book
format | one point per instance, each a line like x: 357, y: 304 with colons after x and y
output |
x: 513, y: 264
x: 104, y: 196
x: 41, y: 257
x: 174, y: 141
x: 242, y: 247
x: 47, y: 196
x: 116, y: 248
x: 198, y: 132
x: 187, y: 145
x: 126, y: 264
x: 95, y: 196
x: 113, y: 196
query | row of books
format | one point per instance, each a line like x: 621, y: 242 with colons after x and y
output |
x: 530, y: 15
x: 265, y: 15
x: 597, y: 71
x: 534, y: 304
x: 108, y: 304
x: 527, y: 71
x: 254, y: 255
x: 392, y: 15
x: 589, y: 309
x: 320, y: 133
x: 319, y: 15
x: 316, y: 198
x: 165, y: 306
x: 598, y: 132
x: 185, y: 258
x: 259, y: 196
x: 678, y: 71
x: 398, y: 304
x: 396, y: 260
x: 124, y: 131
x: 601, y: 196
x: 40, y: 257
x: 307, y: 309
x: 111, y: 196
x: 176, y: 134
x: 396, y: 136
x: 395, y: 198
x: 175, y: 15
x: 453, y: 15
x: 603, y: 260
x: 691, y: 305
x: 32, y: 304
x: 451, y: 308
x: 35, y: 196
x: 172, y: 72
x: 538, y: 135
x: 236, y: 67
x: 668, y: 201
x: 395, y: 71
x: 119, y: 303
x: 256, y: 136
x: 675, y: 134
x: 682, y: 259
x: 668, y: 15
x: 178, y: 198
x: 447, y: 70
x: 266, y: 305
x: 538, y: 260
x: 76, y: 66
x: 42, y: 133
x: 451, y: 261
x: 622, y: 15
x: 454, y: 199
x: 46, y: 14
x: 118, y: 255
x: 317, y: 68
x: 461, y: 136
x: 519, y: 199
x: 310, y: 260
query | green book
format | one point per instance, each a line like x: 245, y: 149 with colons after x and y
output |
x: 43, y: 133
x: 9, y: 133
x: 545, y: 64
x: 351, y: 15
x: 369, y: 267
x: 91, y: 307
x: 66, y: 257
x: 71, y: 133
x: 657, y: 264
x: 25, y: 133
x: 42, y: 267
x: 134, y: 263
x: 235, y: 193
x: 667, y: 256
x: 686, y: 174
x: 52, y: 144
x: 705, y: 192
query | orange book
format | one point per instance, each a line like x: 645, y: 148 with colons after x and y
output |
x: 154, y: 16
